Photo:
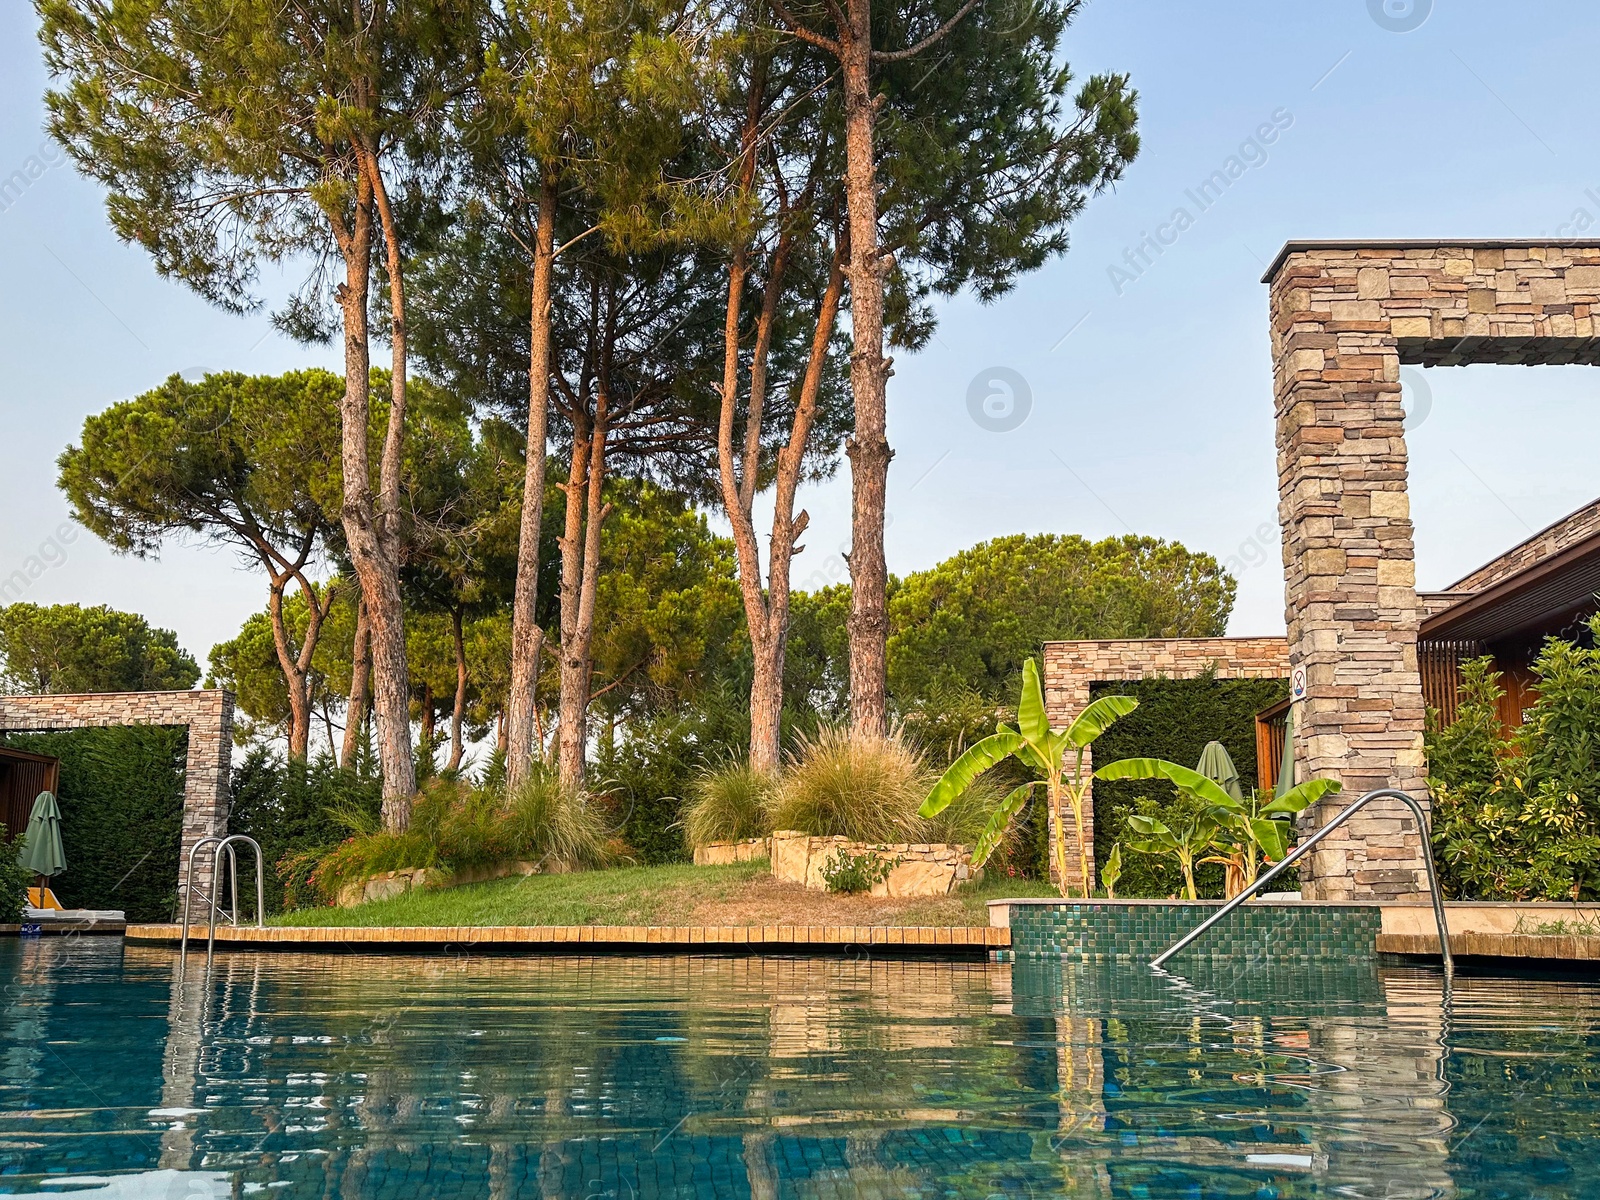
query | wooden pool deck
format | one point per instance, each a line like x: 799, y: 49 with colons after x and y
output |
x: 909, y: 941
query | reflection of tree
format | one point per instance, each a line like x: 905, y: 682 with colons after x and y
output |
x: 357, y: 1076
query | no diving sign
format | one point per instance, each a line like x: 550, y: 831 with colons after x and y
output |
x: 1297, y: 684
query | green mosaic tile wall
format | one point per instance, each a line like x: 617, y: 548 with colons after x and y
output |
x: 1102, y: 932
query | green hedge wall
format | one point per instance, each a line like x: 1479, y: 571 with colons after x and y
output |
x: 1174, y: 720
x: 121, y: 816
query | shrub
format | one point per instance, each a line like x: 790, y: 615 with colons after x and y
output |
x: 650, y: 772
x: 1518, y: 817
x: 14, y: 879
x: 727, y: 804
x: 844, y: 784
x: 846, y: 872
x: 121, y: 798
x: 298, y: 811
x: 1174, y: 720
x: 454, y: 825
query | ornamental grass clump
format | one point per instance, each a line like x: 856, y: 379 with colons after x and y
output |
x: 454, y: 826
x: 554, y: 825
x: 845, y: 784
x: 729, y: 803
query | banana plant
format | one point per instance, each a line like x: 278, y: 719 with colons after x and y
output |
x: 1186, y: 839
x: 1048, y: 752
x: 1250, y: 832
x: 1112, y: 872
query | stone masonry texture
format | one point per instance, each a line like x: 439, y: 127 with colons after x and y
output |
x: 209, y: 716
x: 1344, y: 318
x: 1070, y: 668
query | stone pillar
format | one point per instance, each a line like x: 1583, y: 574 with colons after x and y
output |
x: 1349, y: 577
x: 206, y: 794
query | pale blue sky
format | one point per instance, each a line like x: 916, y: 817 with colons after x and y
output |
x: 1151, y: 410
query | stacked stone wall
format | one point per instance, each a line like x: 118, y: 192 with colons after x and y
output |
x: 209, y: 717
x: 1344, y: 319
x: 1071, y: 669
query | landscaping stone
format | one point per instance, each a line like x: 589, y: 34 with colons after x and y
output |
x: 722, y: 854
x: 394, y: 883
x: 920, y: 868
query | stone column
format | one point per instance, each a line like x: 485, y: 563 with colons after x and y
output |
x: 1349, y: 577
x: 206, y: 794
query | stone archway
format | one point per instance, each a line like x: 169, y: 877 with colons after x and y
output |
x: 1345, y: 316
x: 209, y: 717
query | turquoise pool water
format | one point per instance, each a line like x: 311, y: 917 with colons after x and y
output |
x: 356, y: 1076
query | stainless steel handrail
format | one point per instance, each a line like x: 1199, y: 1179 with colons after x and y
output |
x: 222, y: 844
x: 1305, y: 848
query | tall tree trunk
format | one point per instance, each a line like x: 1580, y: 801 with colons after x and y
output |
x: 580, y: 571
x: 766, y: 689
x: 868, y: 448
x: 460, y: 710
x: 429, y: 730
x: 527, y: 638
x: 360, y: 668
x: 296, y: 680
x: 370, y: 523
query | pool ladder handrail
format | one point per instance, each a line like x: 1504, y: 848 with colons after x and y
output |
x: 212, y: 908
x: 1306, y: 847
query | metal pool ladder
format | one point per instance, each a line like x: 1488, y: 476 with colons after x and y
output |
x: 212, y: 908
x: 1305, y: 848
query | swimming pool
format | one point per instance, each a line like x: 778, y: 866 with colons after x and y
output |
x: 364, y: 1076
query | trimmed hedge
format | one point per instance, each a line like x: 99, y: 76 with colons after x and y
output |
x: 121, y: 815
x: 1175, y: 719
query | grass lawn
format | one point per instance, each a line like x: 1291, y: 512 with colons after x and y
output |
x: 743, y: 894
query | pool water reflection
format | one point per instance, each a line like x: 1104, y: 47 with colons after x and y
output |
x: 365, y: 1076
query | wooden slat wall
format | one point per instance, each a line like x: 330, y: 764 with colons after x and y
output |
x: 1440, y: 666
x: 21, y: 781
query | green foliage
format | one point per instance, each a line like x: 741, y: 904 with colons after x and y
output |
x: 1111, y: 872
x: 973, y: 620
x: 64, y: 648
x: 1174, y: 721
x: 728, y: 803
x: 121, y: 798
x: 1044, y: 750
x: 842, y: 784
x: 1518, y: 817
x: 647, y: 773
x: 454, y: 825
x: 849, y: 873
x: 14, y: 879
x: 250, y: 461
x: 296, y: 810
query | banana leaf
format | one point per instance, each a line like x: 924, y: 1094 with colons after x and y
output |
x: 1183, y: 777
x: 989, y: 839
x: 960, y: 774
x: 1098, y: 717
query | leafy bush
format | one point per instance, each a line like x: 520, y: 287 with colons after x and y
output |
x: 844, y: 784
x: 1518, y: 817
x: 14, y: 879
x: 648, y: 774
x: 846, y: 872
x: 454, y: 825
x: 727, y: 804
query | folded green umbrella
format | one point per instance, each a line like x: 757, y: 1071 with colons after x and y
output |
x: 1216, y: 764
x: 41, y: 848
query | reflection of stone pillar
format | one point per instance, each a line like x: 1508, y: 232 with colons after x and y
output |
x: 1381, y: 1123
x: 180, y: 1066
